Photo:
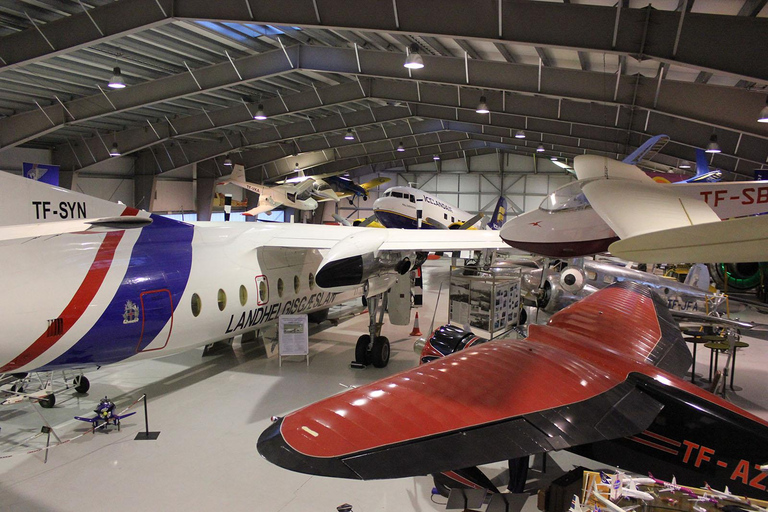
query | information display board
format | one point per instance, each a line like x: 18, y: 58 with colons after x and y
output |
x: 293, y: 336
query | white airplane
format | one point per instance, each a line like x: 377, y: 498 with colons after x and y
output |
x: 673, y: 486
x: 614, y: 200
x: 297, y: 194
x: 576, y: 505
x: 608, y: 503
x: 618, y: 490
x: 727, y: 496
x: 89, y: 282
x: 411, y: 208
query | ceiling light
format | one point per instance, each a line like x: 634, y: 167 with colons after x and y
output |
x: 564, y: 165
x: 414, y: 60
x: 436, y: 157
x: 540, y: 149
x: 553, y: 158
x: 116, y: 82
x: 227, y: 161
x: 349, y: 135
x: 713, y: 146
x: 400, y: 147
x: 520, y: 134
x: 482, y: 107
x: 685, y: 164
x: 114, y: 150
x: 763, y: 117
x: 260, y: 115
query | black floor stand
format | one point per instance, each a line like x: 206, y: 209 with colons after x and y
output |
x: 146, y: 435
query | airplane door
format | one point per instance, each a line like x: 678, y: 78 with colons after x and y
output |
x: 156, y: 320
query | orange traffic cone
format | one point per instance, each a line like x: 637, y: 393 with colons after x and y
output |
x: 416, y: 331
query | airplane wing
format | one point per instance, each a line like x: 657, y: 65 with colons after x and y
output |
x: 346, y: 193
x: 575, y: 381
x: 19, y: 231
x: 374, y: 183
x: 263, y: 207
x: 633, y: 207
x: 647, y: 150
x: 739, y: 240
x: 89, y: 420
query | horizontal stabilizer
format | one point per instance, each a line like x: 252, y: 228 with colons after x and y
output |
x: 63, y: 227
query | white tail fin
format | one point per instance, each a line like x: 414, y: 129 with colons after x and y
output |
x: 26, y: 201
x: 238, y: 174
x: 698, y: 277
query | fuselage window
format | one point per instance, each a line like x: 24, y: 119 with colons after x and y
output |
x: 280, y: 287
x: 263, y: 292
x: 411, y: 198
x: 296, y: 284
x: 445, y: 216
x: 243, y: 295
x: 196, y: 304
x: 311, y: 281
x: 221, y: 299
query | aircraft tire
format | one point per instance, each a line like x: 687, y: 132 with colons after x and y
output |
x: 81, y: 384
x: 362, y: 355
x: 380, y: 352
x: 48, y: 401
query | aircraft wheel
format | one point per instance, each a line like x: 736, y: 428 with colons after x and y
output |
x: 365, y: 198
x: 380, y: 352
x: 362, y: 355
x: 48, y: 401
x: 17, y: 388
x: 81, y: 384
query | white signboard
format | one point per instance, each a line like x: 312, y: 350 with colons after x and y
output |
x: 293, y: 335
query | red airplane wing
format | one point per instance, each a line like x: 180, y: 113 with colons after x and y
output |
x: 597, y: 372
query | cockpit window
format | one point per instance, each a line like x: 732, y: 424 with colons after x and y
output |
x: 397, y: 194
x: 411, y: 198
x: 567, y: 197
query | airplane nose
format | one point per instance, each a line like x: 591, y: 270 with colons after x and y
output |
x: 273, y: 447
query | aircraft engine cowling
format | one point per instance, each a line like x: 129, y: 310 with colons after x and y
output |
x: 357, y: 258
x: 555, y: 297
x: 572, y: 279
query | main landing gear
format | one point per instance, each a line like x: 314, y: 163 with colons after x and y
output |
x: 373, y: 348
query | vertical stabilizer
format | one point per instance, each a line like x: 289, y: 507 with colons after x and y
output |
x: 499, y: 214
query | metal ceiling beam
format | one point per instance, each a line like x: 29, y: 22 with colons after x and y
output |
x: 541, y: 24
x: 675, y: 99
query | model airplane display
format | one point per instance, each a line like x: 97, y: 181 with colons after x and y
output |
x: 603, y: 379
x: 105, y: 414
x: 291, y: 194
x: 411, y: 208
x: 106, y: 293
x: 615, y: 200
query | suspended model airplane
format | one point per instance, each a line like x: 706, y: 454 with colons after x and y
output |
x: 89, y: 282
x: 656, y: 222
x: 603, y: 379
x: 293, y: 195
x: 411, y: 208
x: 350, y: 189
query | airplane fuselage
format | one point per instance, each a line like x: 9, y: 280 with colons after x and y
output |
x: 397, y: 208
x: 81, y: 300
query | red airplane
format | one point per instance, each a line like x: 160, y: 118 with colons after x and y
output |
x: 603, y: 379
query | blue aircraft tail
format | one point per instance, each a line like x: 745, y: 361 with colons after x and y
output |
x: 703, y: 174
x: 499, y: 214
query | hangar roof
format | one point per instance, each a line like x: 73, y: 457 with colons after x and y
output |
x: 590, y: 76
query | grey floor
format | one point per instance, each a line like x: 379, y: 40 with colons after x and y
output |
x: 210, y: 412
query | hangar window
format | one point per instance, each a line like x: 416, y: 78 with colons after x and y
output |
x: 311, y: 281
x: 296, y: 284
x: 243, y: 295
x: 280, y: 287
x: 196, y: 304
x: 221, y: 299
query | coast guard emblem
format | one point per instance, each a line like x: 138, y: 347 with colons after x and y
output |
x: 131, y: 314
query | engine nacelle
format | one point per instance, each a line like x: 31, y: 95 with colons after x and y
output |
x: 357, y: 258
x: 572, y: 280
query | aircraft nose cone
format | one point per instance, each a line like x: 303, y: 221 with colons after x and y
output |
x: 273, y: 447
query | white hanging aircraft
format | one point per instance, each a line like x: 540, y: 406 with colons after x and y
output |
x: 294, y: 194
x: 655, y: 222
x: 411, y: 208
x: 87, y: 282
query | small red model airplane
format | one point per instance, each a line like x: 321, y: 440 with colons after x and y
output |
x: 603, y: 379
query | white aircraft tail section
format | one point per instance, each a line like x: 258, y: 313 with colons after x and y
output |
x: 26, y: 201
x: 238, y: 174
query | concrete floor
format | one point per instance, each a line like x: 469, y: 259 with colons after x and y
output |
x: 210, y: 412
